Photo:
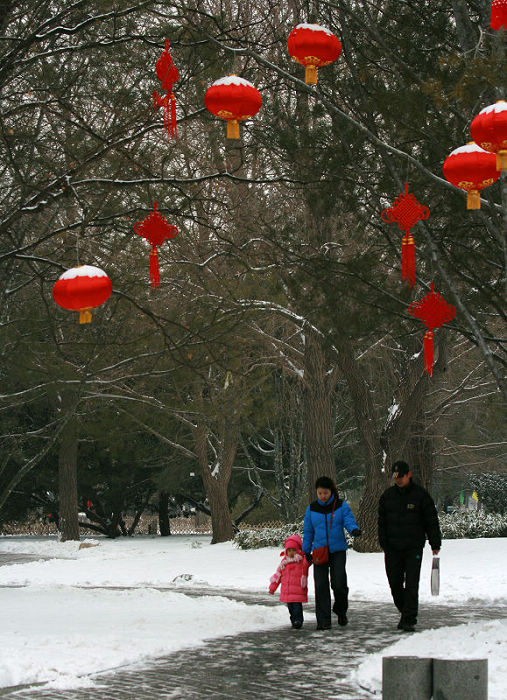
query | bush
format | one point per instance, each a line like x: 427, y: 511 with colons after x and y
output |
x: 492, y: 490
x: 469, y: 523
x: 267, y: 536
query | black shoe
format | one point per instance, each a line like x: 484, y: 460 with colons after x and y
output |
x: 342, y: 619
x: 324, y: 627
x: 297, y: 624
x: 406, y: 627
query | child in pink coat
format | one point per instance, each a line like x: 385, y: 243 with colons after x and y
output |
x: 293, y: 575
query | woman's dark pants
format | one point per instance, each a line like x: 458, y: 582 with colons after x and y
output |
x: 333, y: 572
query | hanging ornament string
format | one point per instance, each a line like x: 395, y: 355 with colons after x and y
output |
x: 406, y: 211
x: 433, y: 311
x: 168, y: 74
x: 156, y: 230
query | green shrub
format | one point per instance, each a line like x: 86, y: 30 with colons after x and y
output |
x: 472, y: 524
x: 267, y: 536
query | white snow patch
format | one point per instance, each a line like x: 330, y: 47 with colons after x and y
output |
x: 314, y: 28
x: 83, y: 271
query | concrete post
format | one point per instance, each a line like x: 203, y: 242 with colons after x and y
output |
x: 460, y: 679
x: 406, y: 678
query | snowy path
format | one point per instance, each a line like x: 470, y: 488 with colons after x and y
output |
x: 264, y: 665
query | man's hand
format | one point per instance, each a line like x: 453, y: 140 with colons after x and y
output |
x: 435, y: 552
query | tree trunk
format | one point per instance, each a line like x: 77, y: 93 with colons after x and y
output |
x: 318, y: 414
x: 163, y: 514
x: 67, y: 483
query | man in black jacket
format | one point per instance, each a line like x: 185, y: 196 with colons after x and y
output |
x: 406, y: 517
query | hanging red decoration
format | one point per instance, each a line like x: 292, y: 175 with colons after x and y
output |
x: 156, y: 230
x: 234, y: 99
x: 406, y: 211
x: 168, y: 74
x: 313, y: 46
x: 471, y: 168
x: 433, y: 311
x: 498, y: 14
x: 81, y: 289
x: 489, y: 131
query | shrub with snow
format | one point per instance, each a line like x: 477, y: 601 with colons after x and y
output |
x: 470, y: 523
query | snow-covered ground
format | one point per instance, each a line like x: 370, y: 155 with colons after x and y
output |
x: 66, y: 616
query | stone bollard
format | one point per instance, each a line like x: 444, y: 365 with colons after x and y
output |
x: 460, y: 679
x: 406, y: 678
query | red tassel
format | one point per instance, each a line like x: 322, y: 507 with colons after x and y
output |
x: 428, y: 353
x: 174, y: 126
x: 408, y: 259
x: 154, y: 269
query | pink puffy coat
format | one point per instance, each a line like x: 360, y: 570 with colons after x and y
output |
x: 292, y: 573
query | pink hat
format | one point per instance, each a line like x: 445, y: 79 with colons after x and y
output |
x: 294, y: 541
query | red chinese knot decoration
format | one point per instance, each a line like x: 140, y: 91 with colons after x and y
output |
x: 156, y: 230
x: 81, y: 289
x: 406, y: 211
x: 498, y: 14
x: 489, y: 131
x: 168, y: 74
x: 234, y: 99
x: 433, y: 311
x: 313, y: 46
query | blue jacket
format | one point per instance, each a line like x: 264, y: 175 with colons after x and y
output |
x: 318, y: 518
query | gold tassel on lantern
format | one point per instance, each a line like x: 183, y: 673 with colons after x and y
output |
x: 501, y: 160
x: 232, y: 129
x: 85, y: 315
x: 473, y: 199
x: 311, y: 75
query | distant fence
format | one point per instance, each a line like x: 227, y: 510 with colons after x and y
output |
x: 199, y: 524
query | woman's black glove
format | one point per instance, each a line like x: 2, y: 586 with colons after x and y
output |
x: 309, y: 557
x: 356, y: 533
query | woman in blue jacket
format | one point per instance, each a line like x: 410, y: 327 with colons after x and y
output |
x: 325, y: 520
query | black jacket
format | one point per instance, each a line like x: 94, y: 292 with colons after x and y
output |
x: 406, y: 516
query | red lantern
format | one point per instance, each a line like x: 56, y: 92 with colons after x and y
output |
x: 498, y: 14
x: 312, y: 46
x: 156, y: 230
x: 168, y: 74
x: 234, y: 99
x: 406, y: 211
x: 471, y: 168
x: 81, y: 289
x: 489, y: 131
x: 433, y: 311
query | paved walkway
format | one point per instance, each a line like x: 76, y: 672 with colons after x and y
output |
x: 282, y: 664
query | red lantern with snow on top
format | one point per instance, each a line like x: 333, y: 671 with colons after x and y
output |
x: 489, y: 131
x: 313, y: 46
x: 156, y: 230
x: 471, y: 168
x: 433, y: 311
x: 234, y: 99
x: 498, y: 14
x: 406, y: 211
x: 81, y: 289
x: 168, y: 74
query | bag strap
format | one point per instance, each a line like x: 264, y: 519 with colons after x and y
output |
x: 331, y: 522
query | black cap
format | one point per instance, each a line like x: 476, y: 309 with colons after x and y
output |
x: 400, y: 469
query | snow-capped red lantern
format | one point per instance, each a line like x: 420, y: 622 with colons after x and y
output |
x: 434, y: 311
x: 234, y: 99
x: 406, y: 211
x: 82, y: 288
x: 489, y: 131
x: 498, y: 14
x: 156, y: 230
x: 313, y: 46
x: 471, y: 168
x: 168, y: 74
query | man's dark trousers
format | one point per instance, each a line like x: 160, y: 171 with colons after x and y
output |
x: 335, y: 571
x: 403, y: 569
